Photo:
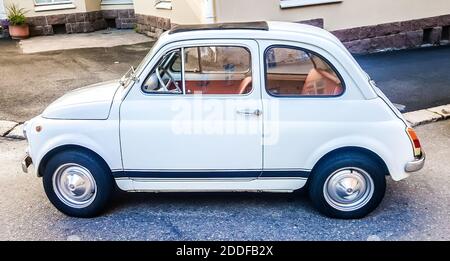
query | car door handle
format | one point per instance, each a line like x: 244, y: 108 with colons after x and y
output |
x: 250, y: 112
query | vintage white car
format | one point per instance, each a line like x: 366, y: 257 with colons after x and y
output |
x: 258, y: 107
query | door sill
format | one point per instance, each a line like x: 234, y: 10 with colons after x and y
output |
x: 278, y: 185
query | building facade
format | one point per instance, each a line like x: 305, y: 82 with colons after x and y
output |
x: 47, y: 17
x: 363, y: 25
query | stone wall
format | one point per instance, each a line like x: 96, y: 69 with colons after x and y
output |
x: 152, y: 26
x: 81, y: 22
x: 397, y: 35
x: 124, y: 19
x: 314, y: 22
x: 359, y: 40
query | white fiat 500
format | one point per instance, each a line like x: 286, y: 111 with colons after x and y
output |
x: 260, y: 107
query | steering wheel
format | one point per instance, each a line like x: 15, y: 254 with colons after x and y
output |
x: 165, y: 86
x: 172, y: 79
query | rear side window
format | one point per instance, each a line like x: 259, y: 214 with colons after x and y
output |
x: 296, y: 72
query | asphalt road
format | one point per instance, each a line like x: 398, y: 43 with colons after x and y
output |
x: 30, y: 82
x: 417, y: 78
x: 415, y: 209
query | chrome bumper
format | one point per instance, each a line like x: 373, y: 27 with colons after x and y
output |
x: 416, y: 165
x: 26, y: 162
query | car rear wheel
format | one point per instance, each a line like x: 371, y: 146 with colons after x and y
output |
x: 77, y: 183
x: 347, y: 186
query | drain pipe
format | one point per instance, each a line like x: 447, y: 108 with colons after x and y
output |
x: 209, y: 14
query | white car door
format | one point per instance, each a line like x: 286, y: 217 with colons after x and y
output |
x: 196, y: 112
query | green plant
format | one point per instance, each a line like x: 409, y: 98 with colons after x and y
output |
x: 16, y: 15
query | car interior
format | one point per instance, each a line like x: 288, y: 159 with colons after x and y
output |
x: 208, y: 70
x: 222, y: 70
x: 292, y: 72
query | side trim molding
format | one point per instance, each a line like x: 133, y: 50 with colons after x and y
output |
x: 200, y: 174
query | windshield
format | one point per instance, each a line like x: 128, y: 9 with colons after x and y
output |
x: 146, y: 58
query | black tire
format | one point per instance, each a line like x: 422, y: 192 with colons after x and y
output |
x: 99, y: 172
x: 358, y: 162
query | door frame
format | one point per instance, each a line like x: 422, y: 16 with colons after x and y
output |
x: 135, y: 92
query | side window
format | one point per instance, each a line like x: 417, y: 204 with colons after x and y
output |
x: 217, y: 70
x: 166, y: 77
x: 295, y: 72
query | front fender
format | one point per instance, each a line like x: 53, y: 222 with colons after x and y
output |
x: 101, y: 137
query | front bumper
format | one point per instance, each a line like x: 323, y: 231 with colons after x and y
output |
x: 26, y: 162
x: 416, y: 164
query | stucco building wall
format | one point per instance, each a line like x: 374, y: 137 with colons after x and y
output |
x: 79, y: 16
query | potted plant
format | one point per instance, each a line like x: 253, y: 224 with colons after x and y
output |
x: 18, y: 28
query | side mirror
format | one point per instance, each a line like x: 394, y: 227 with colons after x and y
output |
x: 152, y: 83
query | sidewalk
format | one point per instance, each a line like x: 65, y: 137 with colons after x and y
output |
x: 103, y: 38
x: 421, y: 117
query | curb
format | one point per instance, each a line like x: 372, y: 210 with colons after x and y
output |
x: 13, y: 130
x: 421, y: 117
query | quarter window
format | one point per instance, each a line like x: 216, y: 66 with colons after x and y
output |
x: 163, y: 79
x: 295, y: 72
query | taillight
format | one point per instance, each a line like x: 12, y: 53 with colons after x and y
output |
x: 415, y: 142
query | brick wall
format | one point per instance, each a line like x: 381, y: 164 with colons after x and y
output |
x: 152, y: 26
x: 81, y: 22
x: 124, y: 19
x: 314, y: 22
x: 360, y: 40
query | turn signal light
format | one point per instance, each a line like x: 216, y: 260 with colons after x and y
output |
x: 415, y: 142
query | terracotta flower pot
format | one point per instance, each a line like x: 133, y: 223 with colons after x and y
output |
x: 19, y: 31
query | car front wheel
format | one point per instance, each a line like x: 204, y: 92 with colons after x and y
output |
x: 77, y: 183
x: 347, y: 186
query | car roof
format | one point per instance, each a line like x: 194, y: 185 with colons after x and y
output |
x: 247, y: 30
x: 258, y: 26
x: 221, y: 26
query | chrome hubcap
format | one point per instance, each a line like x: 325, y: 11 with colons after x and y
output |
x: 348, y: 189
x: 74, y: 185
